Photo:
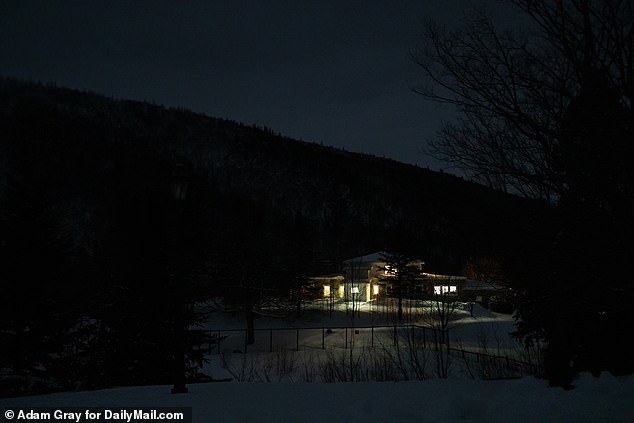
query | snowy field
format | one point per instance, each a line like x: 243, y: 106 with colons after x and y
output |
x: 605, y: 399
x: 370, y: 335
x: 463, y: 396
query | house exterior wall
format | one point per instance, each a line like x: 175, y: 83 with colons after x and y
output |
x: 364, y: 276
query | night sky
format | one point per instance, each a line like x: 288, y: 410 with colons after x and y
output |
x: 335, y: 72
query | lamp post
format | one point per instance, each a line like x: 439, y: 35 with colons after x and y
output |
x: 179, y: 185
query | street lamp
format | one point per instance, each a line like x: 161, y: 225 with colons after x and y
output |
x: 179, y: 185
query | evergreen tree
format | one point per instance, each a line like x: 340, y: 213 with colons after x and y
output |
x: 42, y: 296
x: 402, y: 273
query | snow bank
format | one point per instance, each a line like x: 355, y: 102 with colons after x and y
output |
x: 604, y: 399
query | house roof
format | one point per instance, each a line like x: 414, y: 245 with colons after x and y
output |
x: 474, y: 285
x: 379, y: 256
x: 329, y: 276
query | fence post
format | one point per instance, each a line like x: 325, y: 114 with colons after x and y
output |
x: 395, y: 341
x: 270, y: 340
x: 346, y: 344
x: 372, y: 343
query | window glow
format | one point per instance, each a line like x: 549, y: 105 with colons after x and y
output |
x: 376, y: 289
x: 445, y: 289
x: 342, y: 291
x: 355, y: 289
x: 326, y: 290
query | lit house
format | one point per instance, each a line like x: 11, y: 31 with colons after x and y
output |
x: 364, y: 277
x: 328, y: 287
x: 368, y: 278
x: 360, y: 280
x: 442, y: 284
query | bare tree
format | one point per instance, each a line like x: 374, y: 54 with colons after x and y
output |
x: 485, y: 269
x: 442, y: 311
x: 518, y: 90
x: 546, y: 111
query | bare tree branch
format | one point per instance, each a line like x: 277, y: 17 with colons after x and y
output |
x: 515, y: 88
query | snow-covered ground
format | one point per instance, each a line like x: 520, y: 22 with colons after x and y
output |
x: 606, y: 399
x: 482, y: 330
x: 461, y: 397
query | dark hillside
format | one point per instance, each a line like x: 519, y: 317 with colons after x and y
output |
x: 101, y: 257
x: 79, y: 141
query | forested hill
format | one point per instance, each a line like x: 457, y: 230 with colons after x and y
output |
x: 116, y: 216
x: 97, y: 171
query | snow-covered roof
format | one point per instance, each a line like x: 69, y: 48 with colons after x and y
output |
x: 474, y: 285
x: 329, y: 276
x: 379, y: 256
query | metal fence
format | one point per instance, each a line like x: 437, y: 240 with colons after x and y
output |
x: 343, y: 337
x: 326, y: 337
x: 491, y: 366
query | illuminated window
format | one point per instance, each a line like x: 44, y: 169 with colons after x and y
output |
x: 342, y: 291
x: 376, y: 289
x: 390, y: 271
x: 445, y: 289
x: 355, y: 289
x: 326, y: 290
